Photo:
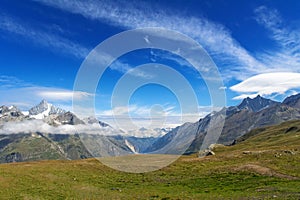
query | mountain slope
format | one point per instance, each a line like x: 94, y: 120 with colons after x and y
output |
x: 245, y: 120
x: 60, y: 135
x: 293, y: 101
x: 277, y: 136
x: 250, y: 114
x: 49, y: 132
x: 39, y: 146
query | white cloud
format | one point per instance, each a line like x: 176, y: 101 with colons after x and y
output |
x: 146, y: 38
x: 243, y: 96
x: 286, y: 37
x: 139, y: 111
x: 61, y: 94
x: 32, y: 126
x: 60, y: 44
x: 213, y: 36
x: 123, y: 67
x: 119, y: 65
x: 26, y: 97
x: 7, y: 82
x: 134, y: 117
x: 39, y: 37
x: 282, y: 75
x: 267, y: 84
x: 216, y: 38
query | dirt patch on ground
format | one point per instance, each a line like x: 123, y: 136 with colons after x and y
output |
x: 264, y: 171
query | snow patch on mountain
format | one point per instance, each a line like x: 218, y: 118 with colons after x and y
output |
x: 26, y: 113
x: 130, y: 146
x: 44, y: 109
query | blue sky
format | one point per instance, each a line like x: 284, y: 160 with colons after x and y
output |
x: 254, y: 44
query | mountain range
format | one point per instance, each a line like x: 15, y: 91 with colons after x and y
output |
x: 49, y: 132
x: 240, y: 119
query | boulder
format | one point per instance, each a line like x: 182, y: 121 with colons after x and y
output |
x: 214, y: 146
x: 205, y: 152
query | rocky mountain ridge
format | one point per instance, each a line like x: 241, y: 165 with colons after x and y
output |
x: 256, y: 104
x: 240, y: 119
x: 188, y: 138
x: 44, y: 109
x: 48, y: 132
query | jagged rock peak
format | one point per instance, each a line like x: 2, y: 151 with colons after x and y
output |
x: 293, y: 101
x: 93, y: 120
x: 5, y: 109
x: 10, y: 113
x: 45, y: 109
x: 256, y: 104
x: 41, y: 107
x: 69, y: 118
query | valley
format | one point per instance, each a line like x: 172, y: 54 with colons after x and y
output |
x: 49, y: 132
x: 264, y: 164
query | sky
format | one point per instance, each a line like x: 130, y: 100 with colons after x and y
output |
x: 44, y: 43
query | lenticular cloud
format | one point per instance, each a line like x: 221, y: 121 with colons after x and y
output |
x: 267, y: 84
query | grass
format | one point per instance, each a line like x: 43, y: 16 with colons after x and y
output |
x: 264, y: 166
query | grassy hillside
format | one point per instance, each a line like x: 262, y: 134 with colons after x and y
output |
x: 38, y: 146
x: 264, y: 164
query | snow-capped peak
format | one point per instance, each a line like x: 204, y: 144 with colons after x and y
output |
x: 4, y: 109
x: 44, y: 109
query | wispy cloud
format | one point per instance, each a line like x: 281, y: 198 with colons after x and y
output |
x: 40, y: 37
x: 59, y: 44
x: 140, y: 111
x: 287, y: 37
x: 121, y: 66
x: 12, y: 82
x: 213, y: 36
x: 61, y: 94
x: 236, y: 61
x: 25, y: 95
x: 134, y: 116
x: 267, y: 84
x: 287, y: 55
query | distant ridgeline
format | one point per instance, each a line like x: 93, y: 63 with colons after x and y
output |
x: 45, y: 131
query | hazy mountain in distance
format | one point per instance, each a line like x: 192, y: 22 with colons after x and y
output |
x: 93, y: 120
